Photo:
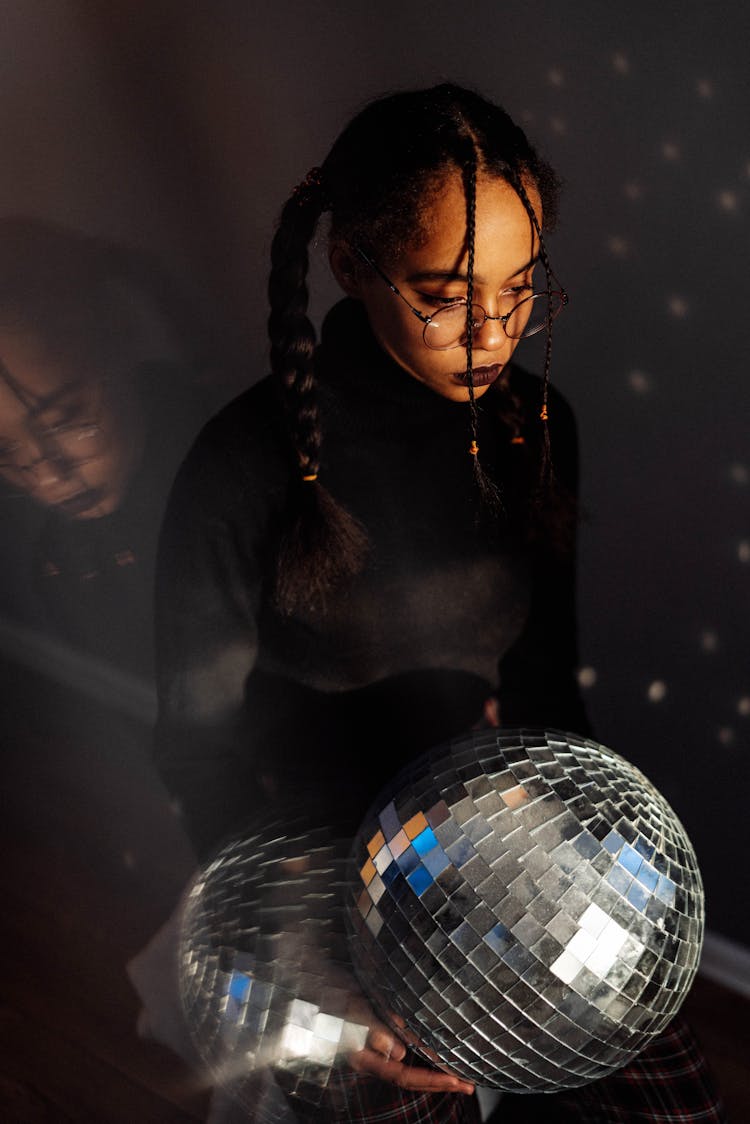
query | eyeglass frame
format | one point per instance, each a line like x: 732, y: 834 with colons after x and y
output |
x: 427, y: 319
x: 50, y: 439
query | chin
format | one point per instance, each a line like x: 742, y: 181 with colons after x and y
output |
x: 105, y: 504
x: 456, y: 393
x: 97, y: 512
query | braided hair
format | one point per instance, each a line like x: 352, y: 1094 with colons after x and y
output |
x: 378, y: 181
x: 323, y: 544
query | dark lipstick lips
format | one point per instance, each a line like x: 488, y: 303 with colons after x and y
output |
x: 481, y: 376
x: 82, y: 501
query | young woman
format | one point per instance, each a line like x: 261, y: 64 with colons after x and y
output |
x: 373, y: 547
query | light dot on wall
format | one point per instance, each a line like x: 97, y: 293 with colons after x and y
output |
x: 586, y: 677
x: 709, y: 640
x: 555, y: 76
x: 678, y: 307
x: 670, y: 151
x: 633, y: 190
x: 617, y: 246
x: 620, y: 63
x: 725, y: 735
x: 705, y: 89
x: 743, y: 706
x: 727, y: 201
x: 528, y: 116
x: 639, y: 382
x: 656, y: 691
x: 743, y: 551
x: 739, y: 473
x: 128, y: 860
x: 558, y: 125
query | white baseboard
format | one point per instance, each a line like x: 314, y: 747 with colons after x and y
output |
x: 726, y: 962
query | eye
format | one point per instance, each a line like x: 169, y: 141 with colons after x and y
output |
x: 523, y: 288
x: 66, y: 419
x: 53, y: 429
x: 8, y: 450
x: 438, y: 301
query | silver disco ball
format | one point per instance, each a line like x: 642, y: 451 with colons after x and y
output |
x: 529, y: 905
x: 264, y: 974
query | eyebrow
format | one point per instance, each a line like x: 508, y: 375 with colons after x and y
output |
x: 452, y: 275
x: 36, y: 404
x: 58, y: 397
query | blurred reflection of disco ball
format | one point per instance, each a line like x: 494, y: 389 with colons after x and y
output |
x: 530, y: 905
x: 264, y: 975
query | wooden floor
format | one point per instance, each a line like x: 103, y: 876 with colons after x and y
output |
x: 93, y: 862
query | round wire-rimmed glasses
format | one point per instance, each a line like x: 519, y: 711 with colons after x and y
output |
x: 66, y: 427
x: 446, y: 328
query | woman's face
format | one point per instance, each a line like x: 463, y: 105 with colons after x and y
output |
x: 505, y: 251
x: 68, y: 438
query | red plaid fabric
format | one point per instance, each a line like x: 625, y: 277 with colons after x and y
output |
x: 348, y: 1099
x: 669, y: 1083
x: 371, y: 1102
x: 353, y: 1099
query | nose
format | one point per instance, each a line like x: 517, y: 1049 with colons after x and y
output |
x: 490, y: 336
x: 46, y: 466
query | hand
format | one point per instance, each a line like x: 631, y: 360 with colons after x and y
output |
x: 384, y: 1053
x: 491, y: 713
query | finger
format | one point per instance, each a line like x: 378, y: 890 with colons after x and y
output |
x: 430, y: 1080
x: 492, y: 712
x: 410, y: 1038
x: 409, y: 1077
x: 384, y: 1042
x: 407, y: 1036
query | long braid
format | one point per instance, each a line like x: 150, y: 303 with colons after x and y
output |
x: 471, y: 226
x: 545, y: 467
x: 322, y: 545
x: 290, y: 330
x: 553, y: 514
x: 489, y: 493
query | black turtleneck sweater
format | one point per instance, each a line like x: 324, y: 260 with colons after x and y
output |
x: 329, y: 705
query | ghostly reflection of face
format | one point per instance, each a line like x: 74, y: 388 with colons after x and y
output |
x: 70, y: 436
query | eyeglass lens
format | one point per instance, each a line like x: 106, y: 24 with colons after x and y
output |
x: 68, y: 430
x: 447, y: 327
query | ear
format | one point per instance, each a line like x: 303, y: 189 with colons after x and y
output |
x: 345, y: 269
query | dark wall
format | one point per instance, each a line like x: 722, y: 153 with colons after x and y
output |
x: 183, y: 127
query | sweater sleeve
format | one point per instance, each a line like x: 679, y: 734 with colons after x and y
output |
x: 538, y: 674
x: 208, y: 591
